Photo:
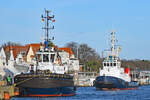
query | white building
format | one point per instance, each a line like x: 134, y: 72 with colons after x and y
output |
x: 25, y: 55
x: 69, y: 58
x: 2, y: 62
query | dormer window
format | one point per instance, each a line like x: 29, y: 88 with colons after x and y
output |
x: 23, y: 53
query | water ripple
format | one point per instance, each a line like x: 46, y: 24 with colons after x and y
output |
x: 90, y: 93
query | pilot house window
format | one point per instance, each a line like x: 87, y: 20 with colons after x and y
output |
x: 110, y: 64
x: 45, y: 58
x: 104, y: 64
x: 114, y: 64
x: 52, y: 57
x: 107, y: 64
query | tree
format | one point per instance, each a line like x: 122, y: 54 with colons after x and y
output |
x: 136, y: 64
x: 93, y: 65
x: 92, y: 62
x: 10, y: 44
x: 86, y: 55
x: 74, y: 47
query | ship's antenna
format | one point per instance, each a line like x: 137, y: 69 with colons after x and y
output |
x: 102, y: 54
x: 47, y: 18
x: 112, y: 42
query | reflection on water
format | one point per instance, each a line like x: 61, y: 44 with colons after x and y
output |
x: 90, y: 93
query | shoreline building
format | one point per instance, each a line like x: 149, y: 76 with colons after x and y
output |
x: 2, y: 63
x: 24, y: 56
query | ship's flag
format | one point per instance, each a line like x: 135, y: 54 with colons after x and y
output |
x: 53, y: 20
x: 48, y: 17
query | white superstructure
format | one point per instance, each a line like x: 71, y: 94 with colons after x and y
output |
x: 49, y: 58
x: 112, y: 64
x: 50, y: 61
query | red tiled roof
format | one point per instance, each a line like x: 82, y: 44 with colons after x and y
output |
x: 19, y: 49
x: 67, y: 50
x: 35, y: 47
x: 16, y: 50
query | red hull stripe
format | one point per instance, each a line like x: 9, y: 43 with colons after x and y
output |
x: 114, y: 89
x: 128, y: 88
x: 48, y: 95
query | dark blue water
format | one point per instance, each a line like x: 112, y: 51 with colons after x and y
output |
x: 90, y: 93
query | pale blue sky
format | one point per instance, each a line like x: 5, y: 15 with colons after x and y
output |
x: 82, y: 21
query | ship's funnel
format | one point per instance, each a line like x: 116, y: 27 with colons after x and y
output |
x: 127, y: 71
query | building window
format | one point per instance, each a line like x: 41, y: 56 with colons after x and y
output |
x: 20, y: 60
x: 23, y: 53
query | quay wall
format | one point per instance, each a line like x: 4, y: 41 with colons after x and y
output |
x: 6, y: 89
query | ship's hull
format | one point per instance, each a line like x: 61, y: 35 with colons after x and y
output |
x: 60, y: 91
x: 113, y: 83
x: 45, y: 85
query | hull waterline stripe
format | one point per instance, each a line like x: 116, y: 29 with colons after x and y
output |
x: 48, y: 95
x: 114, y: 89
